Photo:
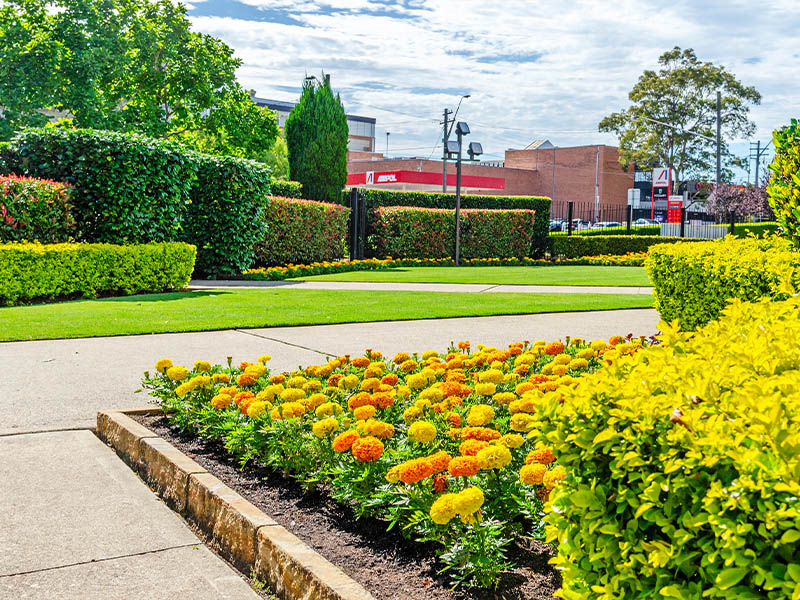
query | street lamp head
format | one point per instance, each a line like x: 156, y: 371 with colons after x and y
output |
x: 475, y: 149
x: 466, y: 96
x: 462, y: 128
x: 452, y: 147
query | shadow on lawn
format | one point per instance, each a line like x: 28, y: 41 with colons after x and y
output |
x: 166, y: 296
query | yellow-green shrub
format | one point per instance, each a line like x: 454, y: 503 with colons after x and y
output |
x: 46, y: 271
x: 684, y: 465
x: 694, y: 281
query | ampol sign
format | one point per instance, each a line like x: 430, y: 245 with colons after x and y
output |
x: 424, y: 178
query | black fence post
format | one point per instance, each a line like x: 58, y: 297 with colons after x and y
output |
x: 569, y: 217
x: 353, y: 223
x: 733, y: 223
x: 628, y: 219
x: 683, y: 221
x: 362, y: 226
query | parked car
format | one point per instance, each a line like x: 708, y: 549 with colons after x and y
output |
x: 640, y: 222
x: 606, y: 224
x: 555, y: 224
x: 577, y: 225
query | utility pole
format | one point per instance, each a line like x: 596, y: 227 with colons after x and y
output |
x: 458, y: 200
x: 756, y: 152
x: 445, y: 135
x: 719, y: 135
x: 387, y: 144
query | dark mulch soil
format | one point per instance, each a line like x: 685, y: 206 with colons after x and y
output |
x: 386, y: 564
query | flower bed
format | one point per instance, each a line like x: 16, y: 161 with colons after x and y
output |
x: 374, y: 264
x: 441, y: 446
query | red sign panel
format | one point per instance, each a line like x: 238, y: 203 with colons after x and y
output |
x: 424, y: 178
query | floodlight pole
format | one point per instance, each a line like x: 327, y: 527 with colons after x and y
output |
x: 458, y: 199
x: 445, y: 135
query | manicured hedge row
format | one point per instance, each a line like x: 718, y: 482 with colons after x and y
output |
x: 35, y: 210
x: 783, y: 191
x: 409, y: 232
x: 574, y: 246
x: 693, y: 282
x: 127, y: 188
x: 635, y: 230
x: 384, y: 198
x: 47, y: 271
x: 304, y: 231
x: 683, y: 464
x: 286, y: 189
x: 225, y: 217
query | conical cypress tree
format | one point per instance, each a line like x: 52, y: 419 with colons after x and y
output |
x: 316, y: 138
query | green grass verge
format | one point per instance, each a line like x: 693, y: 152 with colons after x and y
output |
x: 558, y: 275
x: 227, y: 309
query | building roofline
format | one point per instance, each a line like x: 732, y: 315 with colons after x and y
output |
x: 285, y: 105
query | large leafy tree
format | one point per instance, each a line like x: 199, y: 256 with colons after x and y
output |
x: 316, y: 138
x: 669, y: 107
x: 125, y: 65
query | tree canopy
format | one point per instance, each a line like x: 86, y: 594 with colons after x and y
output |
x: 125, y: 65
x: 670, y: 106
x: 316, y: 137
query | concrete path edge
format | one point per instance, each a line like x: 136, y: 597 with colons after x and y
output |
x: 239, y: 531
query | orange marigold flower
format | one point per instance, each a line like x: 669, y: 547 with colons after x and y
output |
x: 382, y: 399
x: 515, y: 350
x: 243, y: 365
x: 220, y: 378
x: 472, y: 447
x: 537, y: 379
x: 367, y: 449
x: 401, y: 357
x: 334, y: 380
x: 360, y: 399
x: 522, y: 370
x: 454, y: 388
x: 238, y: 398
x: 543, y: 494
x: 543, y: 456
x: 246, y: 379
x: 454, y: 419
x: 455, y: 375
x: 389, y: 379
x: 362, y: 362
x: 554, y: 348
x: 616, y: 339
x: 440, y: 484
x: 439, y: 461
x: 484, y: 434
x: 463, y: 345
x: 279, y: 378
x: 344, y: 441
x: 415, y: 470
x: 464, y: 466
x: 532, y: 474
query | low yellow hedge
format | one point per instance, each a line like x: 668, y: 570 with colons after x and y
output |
x: 684, y: 465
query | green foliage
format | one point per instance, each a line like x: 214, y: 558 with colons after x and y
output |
x: 783, y: 190
x: 302, y: 231
x: 683, y: 465
x: 127, y: 188
x: 540, y: 204
x: 225, y: 217
x: 277, y: 159
x: 48, y: 271
x: 682, y: 95
x: 34, y: 210
x: 125, y: 65
x: 408, y: 232
x: 316, y: 137
x: 286, y: 189
x: 574, y: 246
x: 694, y: 282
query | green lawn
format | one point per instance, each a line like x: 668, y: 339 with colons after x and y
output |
x: 557, y: 275
x: 227, y: 309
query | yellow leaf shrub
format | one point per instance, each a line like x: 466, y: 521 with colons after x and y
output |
x: 684, y: 464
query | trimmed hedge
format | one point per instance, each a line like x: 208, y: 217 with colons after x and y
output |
x: 46, y: 271
x: 35, y: 210
x: 574, y: 246
x: 302, y: 231
x: 693, y: 282
x: 635, y: 230
x: 127, y: 188
x: 541, y: 204
x: 783, y: 191
x: 410, y: 232
x: 225, y: 217
x: 683, y: 464
x: 286, y: 189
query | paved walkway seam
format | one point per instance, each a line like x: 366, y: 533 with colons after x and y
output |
x: 271, y: 339
x: 13, y: 433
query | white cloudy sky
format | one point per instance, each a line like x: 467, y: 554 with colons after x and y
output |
x: 534, y: 69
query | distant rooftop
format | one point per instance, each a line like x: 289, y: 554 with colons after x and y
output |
x: 284, y: 106
x: 539, y: 145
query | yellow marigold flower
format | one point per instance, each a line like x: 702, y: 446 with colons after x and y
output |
x: 491, y: 376
x: 288, y: 410
x: 258, y: 370
x: 296, y: 382
x: 377, y: 428
x: 511, y: 440
x: 422, y: 432
x: 480, y: 414
x: 417, y: 381
x: 177, y: 373
x: 328, y: 409
x: 576, y: 341
x: 485, y: 389
x: 525, y: 386
x: 586, y: 353
x: 325, y: 427
x: 539, y: 343
x: 525, y: 359
x: 429, y: 374
x: 202, y: 365
x: 432, y: 394
x: 494, y: 457
x: 221, y: 401
x: 429, y: 353
x: 525, y: 404
x: 362, y: 413
x: 292, y: 394
x: 598, y: 345
x: 411, y: 413
x: 264, y: 358
x: 221, y: 378
x: 560, y: 369
x: 444, y: 509
x: 532, y: 474
x: 314, y: 400
x: 609, y: 356
x: 163, y: 364
x: 403, y: 391
x: 562, y: 359
x: 269, y: 392
x: 372, y: 371
x: 401, y: 357
x: 183, y: 389
x: 348, y: 382
x: 256, y: 410
x: 522, y: 422
x: 393, y: 474
x: 370, y: 384
x: 554, y: 477
x: 504, y: 398
x: 468, y: 500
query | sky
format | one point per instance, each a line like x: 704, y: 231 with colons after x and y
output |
x: 534, y: 69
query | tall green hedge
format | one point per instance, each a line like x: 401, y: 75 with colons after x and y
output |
x: 783, y: 191
x: 127, y: 188
x: 694, y: 282
x: 575, y: 246
x: 47, y: 271
x: 225, y: 217
x: 409, y: 232
x: 379, y: 198
x: 286, y: 189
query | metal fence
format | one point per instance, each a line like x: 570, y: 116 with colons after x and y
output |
x: 587, y: 218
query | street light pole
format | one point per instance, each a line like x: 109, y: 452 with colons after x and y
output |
x: 458, y: 198
x: 445, y: 135
x: 387, y: 144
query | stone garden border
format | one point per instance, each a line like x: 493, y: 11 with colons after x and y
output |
x: 239, y: 531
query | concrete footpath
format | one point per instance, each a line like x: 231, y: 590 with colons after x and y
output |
x: 78, y: 523
x: 199, y: 284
